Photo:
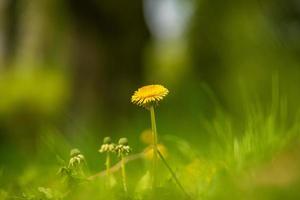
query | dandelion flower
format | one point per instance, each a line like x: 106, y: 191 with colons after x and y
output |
x: 149, y: 94
x: 147, y: 97
x: 76, y: 158
x: 123, y: 148
x: 107, y: 145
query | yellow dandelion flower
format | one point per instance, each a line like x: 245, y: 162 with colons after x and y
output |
x: 149, y: 94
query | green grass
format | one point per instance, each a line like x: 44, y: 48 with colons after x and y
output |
x: 248, y: 157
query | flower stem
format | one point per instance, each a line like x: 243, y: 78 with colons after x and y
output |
x: 107, y: 164
x: 155, y: 150
x: 123, y: 173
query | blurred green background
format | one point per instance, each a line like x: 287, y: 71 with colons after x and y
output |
x: 68, y: 70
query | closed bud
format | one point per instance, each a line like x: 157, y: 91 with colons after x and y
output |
x: 123, y: 141
x: 74, y: 152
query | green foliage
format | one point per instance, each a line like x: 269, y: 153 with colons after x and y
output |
x: 241, y: 155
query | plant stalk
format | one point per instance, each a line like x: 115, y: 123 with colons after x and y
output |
x: 107, y: 164
x: 155, y: 149
x: 124, y: 174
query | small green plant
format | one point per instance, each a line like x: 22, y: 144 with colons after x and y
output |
x: 148, y: 97
x: 73, y: 171
x: 123, y: 149
x: 108, y: 147
x: 76, y: 160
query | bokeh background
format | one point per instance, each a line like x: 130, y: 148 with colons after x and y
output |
x: 68, y: 68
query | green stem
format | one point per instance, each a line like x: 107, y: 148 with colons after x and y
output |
x: 155, y: 150
x: 173, y: 174
x: 123, y: 173
x: 107, y: 164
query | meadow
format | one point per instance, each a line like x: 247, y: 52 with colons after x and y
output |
x: 149, y: 99
x: 253, y: 157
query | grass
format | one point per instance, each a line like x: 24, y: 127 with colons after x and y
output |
x: 252, y: 157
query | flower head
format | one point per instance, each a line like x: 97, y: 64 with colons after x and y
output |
x: 107, y: 140
x: 123, y: 148
x: 107, y: 145
x: 149, y: 94
x: 74, y: 152
x: 76, y: 158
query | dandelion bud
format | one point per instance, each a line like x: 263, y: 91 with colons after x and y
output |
x: 74, y: 152
x: 123, y: 148
x: 107, y: 140
x: 76, y: 158
x: 107, y: 145
x: 123, y: 141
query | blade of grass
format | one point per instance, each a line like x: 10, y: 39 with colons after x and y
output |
x: 173, y: 174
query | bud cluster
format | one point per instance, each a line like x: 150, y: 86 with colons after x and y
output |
x: 122, y: 148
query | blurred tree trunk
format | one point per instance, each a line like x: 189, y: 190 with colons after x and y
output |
x: 2, y: 33
x: 43, y: 34
x: 97, y: 44
x: 104, y: 42
x: 8, y: 25
x: 107, y: 53
x: 29, y: 42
